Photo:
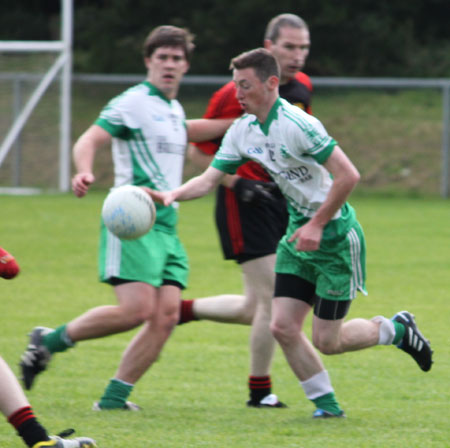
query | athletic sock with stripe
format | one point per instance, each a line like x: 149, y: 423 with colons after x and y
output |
x: 115, y: 395
x: 319, y: 390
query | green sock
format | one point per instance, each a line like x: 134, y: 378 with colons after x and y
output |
x: 399, y: 332
x: 115, y: 395
x: 58, y: 340
x: 328, y: 403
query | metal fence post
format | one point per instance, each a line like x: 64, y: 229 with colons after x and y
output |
x: 17, y: 160
x: 445, y: 140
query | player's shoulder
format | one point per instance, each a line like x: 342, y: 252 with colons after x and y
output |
x: 129, y: 95
x: 289, y: 109
x: 140, y: 89
x: 241, y: 126
x: 304, y: 79
x: 294, y: 117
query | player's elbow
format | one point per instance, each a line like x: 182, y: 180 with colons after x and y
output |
x: 355, y: 177
x: 350, y: 178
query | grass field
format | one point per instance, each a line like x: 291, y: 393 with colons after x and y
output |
x: 194, y: 395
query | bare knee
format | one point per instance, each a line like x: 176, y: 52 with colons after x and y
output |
x: 136, y: 318
x: 325, y: 344
x: 243, y: 307
x: 136, y: 315
x: 246, y: 309
x: 166, y: 319
x: 283, y: 332
x: 170, y: 320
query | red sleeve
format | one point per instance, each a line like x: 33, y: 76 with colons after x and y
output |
x: 223, y: 104
x: 306, y: 81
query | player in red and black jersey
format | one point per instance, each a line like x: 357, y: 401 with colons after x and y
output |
x: 251, y: 214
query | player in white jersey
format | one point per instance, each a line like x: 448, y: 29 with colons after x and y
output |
x: 320, y: 260
x: 149, y: 135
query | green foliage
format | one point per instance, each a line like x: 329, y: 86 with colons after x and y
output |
x: 352, y: 38
x: 194, y: 395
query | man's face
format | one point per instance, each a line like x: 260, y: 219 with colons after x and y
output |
x: 290, y: 50
x: 166, y: 67
x: 251, y: 92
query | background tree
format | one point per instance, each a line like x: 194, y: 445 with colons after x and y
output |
x: 351, y: 38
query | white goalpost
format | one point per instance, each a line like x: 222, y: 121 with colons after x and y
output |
x: 62, y: 65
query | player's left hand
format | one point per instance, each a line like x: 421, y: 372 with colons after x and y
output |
x: 308, y: 237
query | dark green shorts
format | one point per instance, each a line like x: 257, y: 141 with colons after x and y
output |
x: 337, y: 269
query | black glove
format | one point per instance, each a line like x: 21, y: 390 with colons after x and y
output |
x: 255, y: 191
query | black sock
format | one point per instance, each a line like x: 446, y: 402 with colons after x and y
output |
x: 28, y: 427
x: 260, y: 387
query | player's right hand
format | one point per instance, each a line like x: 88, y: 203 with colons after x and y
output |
x: 254, y: 191
x: 162, y: 197
x: 81, y: 183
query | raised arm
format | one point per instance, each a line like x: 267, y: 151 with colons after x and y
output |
x: 83, y: 156
x: 345, y: 178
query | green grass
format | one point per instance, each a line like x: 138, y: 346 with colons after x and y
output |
x: 194, y: 395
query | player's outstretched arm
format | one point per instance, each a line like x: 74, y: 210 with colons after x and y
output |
x: 83, y: 156
x: 194, y: 188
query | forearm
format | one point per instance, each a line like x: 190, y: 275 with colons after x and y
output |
x: 203, y: 129
x: 345, y: 178
x: 203, y: 160
x: 83, y: 158
x: 336, y: 198
x: 86, y: 147
x: 192, y: 189
x: 198, y: 186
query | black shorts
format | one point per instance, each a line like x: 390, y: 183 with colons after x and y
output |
x: 116, y: 281
x: 249, y: 231
x: 288, y: 285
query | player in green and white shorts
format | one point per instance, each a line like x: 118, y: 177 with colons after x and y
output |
x: 321, y: 259
x: 337, y: 270
x: 147, y: 129
x: 157, y: 258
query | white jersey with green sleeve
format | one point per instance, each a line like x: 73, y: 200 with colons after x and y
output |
x: 291, y: 145
x: 149, y: 142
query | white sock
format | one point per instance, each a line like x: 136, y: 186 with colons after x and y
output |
x: 318, y: 385
x: 387, y: 330
x: 66, y: 338
x: 123, y: 382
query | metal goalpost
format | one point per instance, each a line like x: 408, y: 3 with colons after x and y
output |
x: 63, y: 66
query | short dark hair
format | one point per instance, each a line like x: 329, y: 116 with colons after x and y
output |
x: 261, y: 60
x: 169, y: 36
x: 280, y: 21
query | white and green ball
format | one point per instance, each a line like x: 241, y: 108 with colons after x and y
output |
x: 128, y: 212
